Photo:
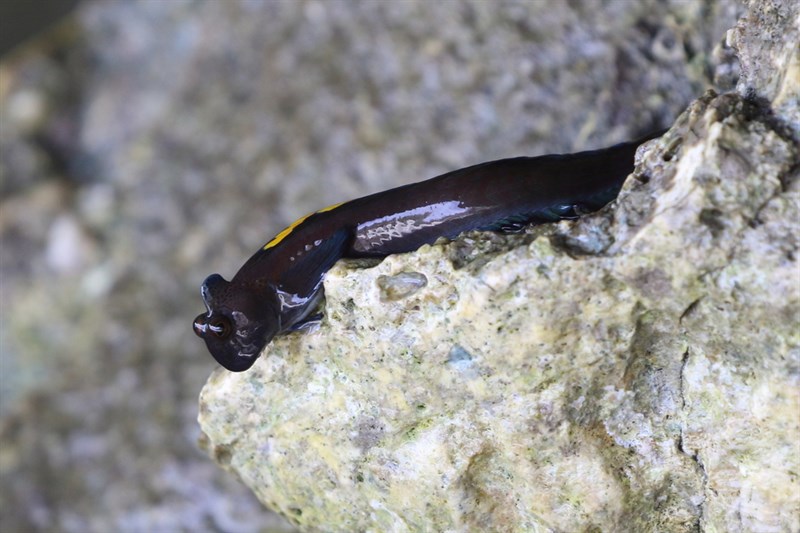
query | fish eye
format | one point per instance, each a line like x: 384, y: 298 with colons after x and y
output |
x: 220, y: 326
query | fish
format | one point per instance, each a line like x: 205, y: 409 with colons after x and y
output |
x: 278, y: 289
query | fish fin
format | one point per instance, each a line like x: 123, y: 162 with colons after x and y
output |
x: 312, y: 264
x: 517, y: 222
x: 308, y: 322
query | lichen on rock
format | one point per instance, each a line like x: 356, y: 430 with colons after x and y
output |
x: 635, y: 370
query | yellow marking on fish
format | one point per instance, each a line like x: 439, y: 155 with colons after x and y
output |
x: 283, y: 234
x: 330, y: 208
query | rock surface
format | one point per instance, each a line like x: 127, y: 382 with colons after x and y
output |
x: 147, y: 144
x: 639, y: 369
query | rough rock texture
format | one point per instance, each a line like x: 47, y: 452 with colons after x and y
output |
x: 638, y: 370
x: 151, y: 143
x: 767, y: 39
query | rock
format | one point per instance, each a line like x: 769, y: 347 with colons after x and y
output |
x: 766, y: 39
x: 636, y: 370
x: 179, y: 135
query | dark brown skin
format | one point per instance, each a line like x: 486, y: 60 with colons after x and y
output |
x: 277, y: 288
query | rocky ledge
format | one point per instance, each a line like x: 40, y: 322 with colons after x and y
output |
x: 635, y: 370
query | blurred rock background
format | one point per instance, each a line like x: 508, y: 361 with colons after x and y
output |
x: 148, y: 144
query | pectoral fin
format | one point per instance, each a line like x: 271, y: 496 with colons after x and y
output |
x: 311, y: 263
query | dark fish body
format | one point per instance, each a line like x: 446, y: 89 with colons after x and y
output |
x: 281, y: 284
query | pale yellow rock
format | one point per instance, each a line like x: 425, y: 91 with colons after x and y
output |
x: 638, y: 370
x: 653, y: 386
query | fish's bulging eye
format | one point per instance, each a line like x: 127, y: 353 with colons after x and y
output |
x: 199, y: 325
x: 220, y: 327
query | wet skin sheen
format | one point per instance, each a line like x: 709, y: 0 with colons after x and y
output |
x: 281, y: 284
